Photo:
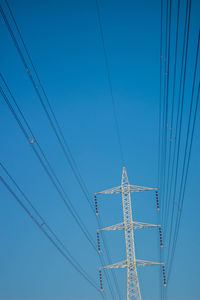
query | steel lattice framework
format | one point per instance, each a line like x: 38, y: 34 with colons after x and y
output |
x: 133, y: 288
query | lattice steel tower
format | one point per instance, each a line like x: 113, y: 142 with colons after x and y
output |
x: 133, y: 288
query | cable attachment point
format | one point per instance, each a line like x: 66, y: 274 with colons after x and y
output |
x: 31, y: 141
x: 28, y: 71
x: 101, y: 283
x: 96, y: 207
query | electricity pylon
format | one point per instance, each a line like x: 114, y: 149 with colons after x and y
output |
x: 133, y: 288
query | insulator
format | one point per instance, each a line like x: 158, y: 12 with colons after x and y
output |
x: 157, y: 202
x: 161, y: 241
x: 98, y: 242
x: 101, y: 282
x: 96, y: 207
x: 164, y: 277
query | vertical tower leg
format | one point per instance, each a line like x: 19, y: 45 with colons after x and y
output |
x: 133, y: 289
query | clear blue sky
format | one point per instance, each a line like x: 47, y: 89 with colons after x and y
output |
x: 64, y: 42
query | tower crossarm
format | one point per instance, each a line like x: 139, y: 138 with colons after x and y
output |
x: 139, y: 262
x: 136, y: 188
x: 115, y: 190
x: 119, y: 226
x: 140, y: 225
x: 143, y: 263
x: 134, y: 225
x: 121, y: 264
x: 128, y: 188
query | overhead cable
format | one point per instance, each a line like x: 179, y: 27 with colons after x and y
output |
x: 110, y: 82
x: 63, y: 251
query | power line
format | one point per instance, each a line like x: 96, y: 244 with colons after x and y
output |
x: 172, y: 117
x: 163, y: 115
x: 170, y: 174
x: 180, y: 106
x: 69, y: 206
x: 69, y: 157
x: 109, y: 81
x: 167, y: 73
x: 65, y: 253
x: 178, y: 115
x: 64, y: 197
x: 166, y: 100
x: 113, y: 106
x: 72, y: 211
x: 35, y: 86
x: 57, y: 185
x: 184, y: 185
x: 165, y: 106
x: 159, y: 133
x: 71, y: 160
x: 180, y: 126
x: 160, y: 91
x: 186, y: 159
